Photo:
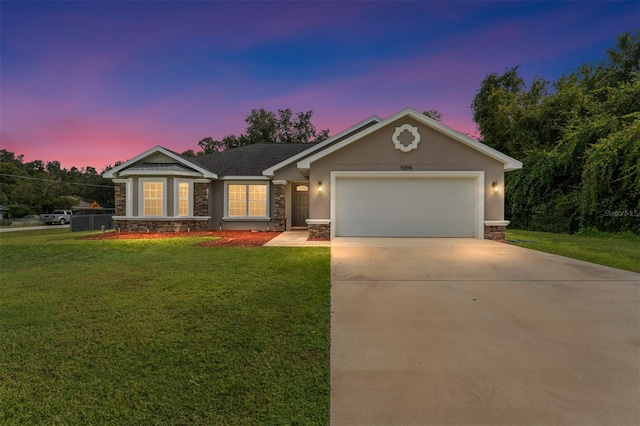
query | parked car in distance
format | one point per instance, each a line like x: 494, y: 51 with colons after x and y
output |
x: 59, y: 217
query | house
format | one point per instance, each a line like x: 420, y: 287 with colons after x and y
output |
x: 406, y: 176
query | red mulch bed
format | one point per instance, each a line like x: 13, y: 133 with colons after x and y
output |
x: 226, y: 238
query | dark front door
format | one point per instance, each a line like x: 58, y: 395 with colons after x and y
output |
x: 300, y: 205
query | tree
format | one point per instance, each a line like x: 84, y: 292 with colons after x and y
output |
x: 433, y: 113
x: 611, y: 178
x: 579, y: 143
x: 262, y: 127
x: 303, y: 130
x: 496, y: 106
x: 624, y: 59
x: 208, y: 145
x: 233, y: 141
x: 267, y: 127
x: 322, y: 135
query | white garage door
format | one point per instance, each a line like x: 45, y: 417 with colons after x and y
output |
x: 405, y: 207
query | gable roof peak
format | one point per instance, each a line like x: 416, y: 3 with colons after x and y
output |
x: 509, y: 162
x: 179, y: 159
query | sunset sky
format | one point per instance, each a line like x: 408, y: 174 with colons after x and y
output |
x: 91, y: 83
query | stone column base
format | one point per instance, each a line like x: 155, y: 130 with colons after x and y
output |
x: 319, y: 229
x: 495, y: 229
x: 279, y: 225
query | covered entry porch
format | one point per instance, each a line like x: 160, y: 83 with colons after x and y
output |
x: 291, y: 205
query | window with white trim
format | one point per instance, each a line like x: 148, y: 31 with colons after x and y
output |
x: 183, y: 199
x: 247, y: 200
x: 153, y: 197
x: 183, y: 195
x: 129, y: 197
x: 237, y: 200
x: 257, y: 200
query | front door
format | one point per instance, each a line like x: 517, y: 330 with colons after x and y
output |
x: 300, y: 205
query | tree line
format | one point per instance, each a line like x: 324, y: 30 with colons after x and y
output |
x: 578, y: 138
x: 35, y: 187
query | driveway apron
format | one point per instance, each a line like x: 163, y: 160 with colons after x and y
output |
x: 476, y: 332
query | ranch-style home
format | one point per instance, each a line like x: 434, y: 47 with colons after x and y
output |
x: 404, y: 176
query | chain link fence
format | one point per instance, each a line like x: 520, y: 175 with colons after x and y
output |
x: 90, y: 220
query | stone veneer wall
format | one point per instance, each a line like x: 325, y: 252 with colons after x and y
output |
x: 495, y: 232
x: 201, y: 199
x: 320, y: 232
x: 178, y: 225
x: 121, y: 199
x: 279, y: 217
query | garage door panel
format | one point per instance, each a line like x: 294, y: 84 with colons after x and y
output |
x: 375, y: 214
x: 405, y: 207
x: 380, y: 228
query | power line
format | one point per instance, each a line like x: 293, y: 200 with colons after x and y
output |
x: 55, y: 181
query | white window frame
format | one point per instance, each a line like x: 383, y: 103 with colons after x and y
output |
x: 165, y: 194
x: 176, y: 197
x: 226, y: 216
x: 129, y: 197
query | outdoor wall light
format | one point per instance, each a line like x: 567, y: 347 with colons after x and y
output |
x: 320, y: 186
x: 495, y: 186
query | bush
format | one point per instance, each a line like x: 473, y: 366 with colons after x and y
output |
x: 18, y: 211
x: 591, y: 231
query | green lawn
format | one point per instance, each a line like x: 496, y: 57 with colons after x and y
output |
x: 617, y: 251
x: 161, y: 332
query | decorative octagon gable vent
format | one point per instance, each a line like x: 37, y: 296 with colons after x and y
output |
x: 414, y: 132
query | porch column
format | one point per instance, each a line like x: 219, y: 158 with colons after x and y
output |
x: 279, y: 219
x: 120, y: 189
x: 201, y: 198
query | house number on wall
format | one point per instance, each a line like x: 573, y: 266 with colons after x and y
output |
x: 406, y: 167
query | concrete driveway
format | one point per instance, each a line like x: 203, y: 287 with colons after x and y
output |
x: 475, y: 332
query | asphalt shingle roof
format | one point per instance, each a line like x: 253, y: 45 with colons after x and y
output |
x: 248, y: 160
x: 163, y: 167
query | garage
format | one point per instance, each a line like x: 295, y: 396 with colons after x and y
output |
x: 406, y: 205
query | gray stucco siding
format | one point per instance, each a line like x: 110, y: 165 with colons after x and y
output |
x: 436, y: 152
x: 289, y: 173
